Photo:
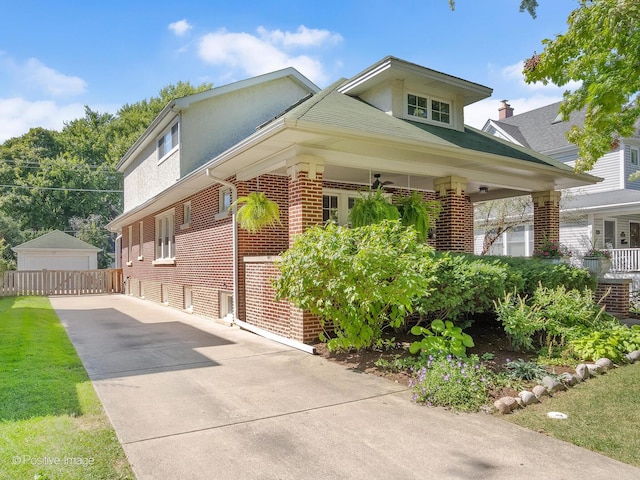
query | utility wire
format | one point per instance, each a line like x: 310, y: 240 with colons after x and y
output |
x: 62, y: 188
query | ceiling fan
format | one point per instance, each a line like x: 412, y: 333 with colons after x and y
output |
x: 378, y: 184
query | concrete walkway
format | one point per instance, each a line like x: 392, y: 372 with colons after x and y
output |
x: 190, y: 398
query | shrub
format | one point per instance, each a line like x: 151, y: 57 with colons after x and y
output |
x: 522, y: 370
x: 466, y: 285
x: 442, y: 337
x: 359, y: 280
x: 612, y: 343
x: 451, y: 382
x: 519, y: 320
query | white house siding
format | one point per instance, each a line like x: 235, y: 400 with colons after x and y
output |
x: 145, y: 178
x: 576, y: 236
x: 630, y: 169
x: 212, y: 126
x: 608, y: 167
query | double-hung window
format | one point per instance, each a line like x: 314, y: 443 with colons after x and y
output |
x: 165, y: 236
x: 168, y: 141
x: 635, y: 153
x: 428, y: 109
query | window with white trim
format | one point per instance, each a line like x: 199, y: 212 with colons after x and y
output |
x: 130, y: 244
x: 428, y: 109
x: 141, y: 241
x: 168, y: 141
x: 165, y: 236
x: 186, y: 215
x: 635, y: 154
x: 226, y: 199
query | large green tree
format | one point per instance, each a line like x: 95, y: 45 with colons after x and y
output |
x: 601, y: 52
x: 67, y: 180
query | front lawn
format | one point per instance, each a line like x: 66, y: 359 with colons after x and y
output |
x: 603, y: 415
x: 52, y: 424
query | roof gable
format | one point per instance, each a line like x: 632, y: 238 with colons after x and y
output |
x: 56, y: 240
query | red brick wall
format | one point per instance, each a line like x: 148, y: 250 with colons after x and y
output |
x: 262, y: 310
x: 454, y: 229
x: 617, y: 295
x: 546, y: 218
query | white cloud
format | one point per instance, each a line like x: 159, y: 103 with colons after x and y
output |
x: 19, y: 115
x: 254, y: 55
x: 303, y: 37
x: 53, y: 82
x: 180, y: 27
x: 514, y: 73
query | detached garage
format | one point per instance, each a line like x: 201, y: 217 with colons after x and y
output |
x: 56, y: 251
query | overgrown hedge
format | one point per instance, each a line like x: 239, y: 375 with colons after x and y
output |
x: 467, y: 285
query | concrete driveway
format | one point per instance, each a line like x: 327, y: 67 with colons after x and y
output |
x: 190, y: 398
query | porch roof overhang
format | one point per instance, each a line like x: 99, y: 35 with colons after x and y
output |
x: 355, y: 140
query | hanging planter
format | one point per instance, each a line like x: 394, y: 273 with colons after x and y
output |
x: 256, y: 212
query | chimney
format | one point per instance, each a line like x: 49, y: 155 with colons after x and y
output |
x: 505, y: 110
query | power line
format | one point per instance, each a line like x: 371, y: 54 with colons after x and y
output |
x: 63, y: 188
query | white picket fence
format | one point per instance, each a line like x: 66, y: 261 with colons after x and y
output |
x: 60, y: 282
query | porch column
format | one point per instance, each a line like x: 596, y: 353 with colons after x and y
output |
x: 305, y: 211
x: 546, y: 217
x: 454, y: 228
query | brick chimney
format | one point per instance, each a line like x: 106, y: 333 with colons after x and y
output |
x: 505, y: 110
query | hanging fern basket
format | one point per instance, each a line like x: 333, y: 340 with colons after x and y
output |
x: 256, y: 212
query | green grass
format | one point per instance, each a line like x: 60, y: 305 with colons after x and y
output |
x: 52, y: 424
x: 604, y: 415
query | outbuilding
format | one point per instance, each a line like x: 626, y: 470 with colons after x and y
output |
x: 56, y: 250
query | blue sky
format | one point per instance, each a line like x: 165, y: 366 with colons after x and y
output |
x: 56, y: 57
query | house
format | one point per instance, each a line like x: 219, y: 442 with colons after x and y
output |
x: 56, y: 250
x: 603, y: 215
x: 311, y: 151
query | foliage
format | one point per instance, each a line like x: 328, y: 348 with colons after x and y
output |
x: 416, y: 212
x: 257, y: 212
x: 600, y: 53
x: 529, y: 5
x: 612, y: 343
x: 401, y: 364
x: 466, y: 285
x: 596, y: 252
x: 535, y: 272
x: 522, y: 370
x: 551, y: 249
x: 371, y: 208
x: 558, y: 314
x: 55, y: 176
x: 356, y: 280
x: 93, y: 231
x: 453, y: 383
x: 442, y: 337
x: 519, y: 320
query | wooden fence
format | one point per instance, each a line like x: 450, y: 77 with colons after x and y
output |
x: 60, y: 282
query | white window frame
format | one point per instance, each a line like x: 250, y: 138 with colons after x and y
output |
x: 636, y: 151
x: 223, y: 210
x: 141, y: 241
x: 165, y: 238
x: 168, y: 136
x: 130, y: 245
x: 186, y: 215
x: 428, y: 118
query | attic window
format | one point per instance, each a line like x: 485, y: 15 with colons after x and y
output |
x: 428, y: 109
x: 168, y: 141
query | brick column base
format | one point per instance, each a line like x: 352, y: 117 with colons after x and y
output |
x: 546, y: 217
x: 454, y: 228
x: 617, y: 300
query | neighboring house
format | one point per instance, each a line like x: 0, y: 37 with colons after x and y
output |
x: 312, y: 152
x: 56, y: 250
x: 606, y: 214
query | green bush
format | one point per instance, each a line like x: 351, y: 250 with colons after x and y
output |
x: 451, y: 382
x: 443, y: 337
x: 558, y: 315
x: 358, y: 280
x: 466, y: 285
x: 612, y: 343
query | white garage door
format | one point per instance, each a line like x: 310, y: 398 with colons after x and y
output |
x: 59, y: 262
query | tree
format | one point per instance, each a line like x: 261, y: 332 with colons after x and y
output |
x: 600, y: 51
x: 529, y: 5
x: 92, y: 230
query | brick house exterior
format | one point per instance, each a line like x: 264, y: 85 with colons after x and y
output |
x: 311, y: 151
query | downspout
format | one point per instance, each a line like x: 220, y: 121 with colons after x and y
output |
x: 234, y: 239
x: 242, y: 324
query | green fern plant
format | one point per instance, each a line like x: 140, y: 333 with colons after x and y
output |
x: 372, y: 208
x: 256, y: 212
x: 414, y: 210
